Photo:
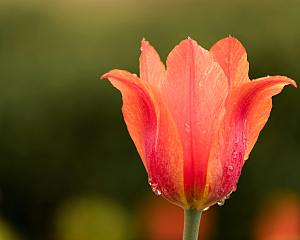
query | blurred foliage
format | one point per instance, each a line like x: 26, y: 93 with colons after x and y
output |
x: 62, y: 130
x: 92, y: 218
x: 6, y: 233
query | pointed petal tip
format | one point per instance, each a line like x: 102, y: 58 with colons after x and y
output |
x: 105, y: 75
x: 144, y: 41
x: 231, y: 38
x: 144, y: 44
x: 188, y: 40
x: 285, y: 80
x: 293, y: 82
x: 115, y: 73
x: 108, y: 74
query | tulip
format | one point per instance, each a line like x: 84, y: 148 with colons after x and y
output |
x: 195, y: 121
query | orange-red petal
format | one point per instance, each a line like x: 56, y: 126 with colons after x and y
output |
x: 247, y: 112
x: 259, y: 93
x: 154, y: 134
x: 195, y: 92
x: 232, y: 57
x: 152, y: 69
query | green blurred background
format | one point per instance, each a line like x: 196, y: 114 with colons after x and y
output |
x: 68, y: 168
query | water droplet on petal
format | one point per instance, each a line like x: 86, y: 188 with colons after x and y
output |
x: 154, y: 187
x: 221, y: 202
x: 157, y: 191
x: 205, y: 209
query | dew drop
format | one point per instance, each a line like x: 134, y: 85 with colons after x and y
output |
x: 154, y: 187
x: 150, y: 181
x: 221, y: 202
x: 157, y: 191
x: 205, y: 209
x: 187, y: 127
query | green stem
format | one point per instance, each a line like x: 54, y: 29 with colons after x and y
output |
x: 191, y: 224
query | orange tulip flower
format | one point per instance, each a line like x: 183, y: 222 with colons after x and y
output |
x: 195, y: 121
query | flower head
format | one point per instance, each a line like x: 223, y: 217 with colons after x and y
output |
x: 195, y: 121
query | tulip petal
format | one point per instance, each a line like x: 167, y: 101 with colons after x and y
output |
x: 154, y: 134
x: 195, y: 92
x: 247, y: 112
x: 151, y: 67
x: 259, y: 95
x: 232, y: 57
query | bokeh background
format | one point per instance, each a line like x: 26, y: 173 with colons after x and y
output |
x: 68, y: 168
